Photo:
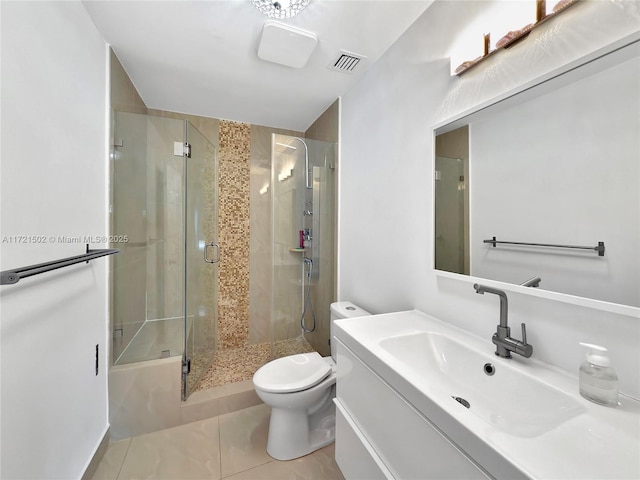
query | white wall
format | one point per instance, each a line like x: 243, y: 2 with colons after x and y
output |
x: 53, y: 183
x: 562, y: 168
x: 386, y: 220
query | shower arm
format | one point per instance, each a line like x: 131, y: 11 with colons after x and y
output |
x: 326, y: 149
x: 307, y: 182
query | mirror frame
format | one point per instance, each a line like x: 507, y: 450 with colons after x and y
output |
x: 539, y: 85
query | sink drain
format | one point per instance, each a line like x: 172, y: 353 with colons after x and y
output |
x: 461, y: 401
x: 489, y: 369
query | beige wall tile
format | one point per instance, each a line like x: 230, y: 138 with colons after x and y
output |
x: 144, y: 397
x: 238, y: 401
x: 327, y: 126
x: 261, y: 263
x: 124, y: 95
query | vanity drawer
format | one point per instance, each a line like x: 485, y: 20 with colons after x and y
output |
x: 354, y: 455
x: 405, y: 441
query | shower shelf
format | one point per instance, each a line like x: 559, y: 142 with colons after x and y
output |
x: 297, y: 249
x: 9, y: 277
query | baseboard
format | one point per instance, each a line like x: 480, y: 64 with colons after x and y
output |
x: 97, y: 456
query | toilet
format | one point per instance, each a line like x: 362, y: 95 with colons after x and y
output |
x: 300, y: 390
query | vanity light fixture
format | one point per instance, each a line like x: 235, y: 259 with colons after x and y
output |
x: 527, y: 15
x: 280, y: 8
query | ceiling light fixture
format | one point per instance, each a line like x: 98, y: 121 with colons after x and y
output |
x: 280, y: 8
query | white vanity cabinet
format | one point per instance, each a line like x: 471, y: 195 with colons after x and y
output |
x: 380, y: 435
x: 416, y: 403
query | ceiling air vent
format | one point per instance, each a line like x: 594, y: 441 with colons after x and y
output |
x: 346, y: 62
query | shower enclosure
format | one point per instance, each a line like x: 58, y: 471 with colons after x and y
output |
x: 303, y: 201
x: 451, y: 232
x: 164, y: 208
x: 166, y: 284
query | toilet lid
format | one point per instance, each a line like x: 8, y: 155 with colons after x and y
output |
x: 292, y: 374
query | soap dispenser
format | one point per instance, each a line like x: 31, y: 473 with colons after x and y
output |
x: 598, y: 381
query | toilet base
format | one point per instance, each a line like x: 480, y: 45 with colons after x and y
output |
x: 295, y: 433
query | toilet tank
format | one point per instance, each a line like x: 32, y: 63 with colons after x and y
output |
x: 340, y: 310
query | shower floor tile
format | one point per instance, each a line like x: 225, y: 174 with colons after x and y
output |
x: 239, y: 364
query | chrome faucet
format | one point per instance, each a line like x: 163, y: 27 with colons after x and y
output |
x: 502, y: 338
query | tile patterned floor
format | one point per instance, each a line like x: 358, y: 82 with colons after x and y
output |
x: 231, y: 446
x: 238, y: 364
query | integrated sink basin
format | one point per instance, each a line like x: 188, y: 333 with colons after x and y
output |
x: 497, y: 393
x: 518, y: 418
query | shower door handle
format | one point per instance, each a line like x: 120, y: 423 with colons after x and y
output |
x: 217, y: 257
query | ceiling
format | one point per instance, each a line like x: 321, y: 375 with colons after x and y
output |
x: 200, y: 57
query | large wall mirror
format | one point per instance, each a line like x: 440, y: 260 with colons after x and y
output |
x: 554, y: 167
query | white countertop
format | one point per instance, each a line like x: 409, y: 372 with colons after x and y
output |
x: 598, y: 443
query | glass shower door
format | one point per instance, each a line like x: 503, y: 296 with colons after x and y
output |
x: 450, y: 231
x: 202, y: 254
x: 303, y: 276
x: 147, y: 206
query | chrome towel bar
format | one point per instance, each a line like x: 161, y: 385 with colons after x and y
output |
x: 598, y: 248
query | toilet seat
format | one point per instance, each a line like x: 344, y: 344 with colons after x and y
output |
x: 292, y: 374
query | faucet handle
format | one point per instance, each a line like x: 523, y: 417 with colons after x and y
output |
x: 524, y: 348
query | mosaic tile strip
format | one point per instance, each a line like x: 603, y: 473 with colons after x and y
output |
x: 233, y: 225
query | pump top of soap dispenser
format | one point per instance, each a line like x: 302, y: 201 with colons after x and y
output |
x: 597, y: 355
